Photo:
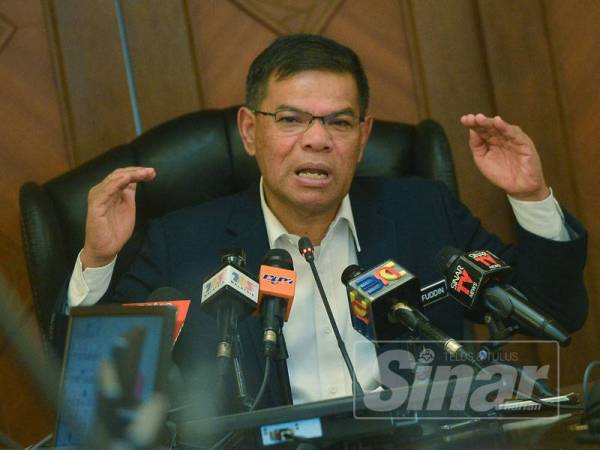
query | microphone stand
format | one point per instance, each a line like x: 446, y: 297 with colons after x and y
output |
x: 281, y: 356
x: 240, y: 378
x: 307, y: 251
x: 230, y: 351
x: 500, y: 332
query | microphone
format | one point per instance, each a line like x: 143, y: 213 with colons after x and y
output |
x: 372, y: 295
x: 478, y: 280
x: 307, y: 251
x: 277, y: 285
x: 380, y: 299
x: 229, y: 295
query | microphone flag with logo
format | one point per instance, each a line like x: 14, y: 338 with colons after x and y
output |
x: 229, y: 295
x: 467, y: 273
x: 477, y: 279
x: 373, y: 293
x: 277, y: 285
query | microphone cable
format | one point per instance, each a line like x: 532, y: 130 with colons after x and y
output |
x: 261, y: 391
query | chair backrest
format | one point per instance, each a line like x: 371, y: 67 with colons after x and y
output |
x: 198, y: 156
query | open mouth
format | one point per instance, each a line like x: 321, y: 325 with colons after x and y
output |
x: 311, y: 172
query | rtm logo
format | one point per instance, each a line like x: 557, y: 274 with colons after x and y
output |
x: 460, y: 279
x: 484, y: 258
x: 275, y: 279
x: 381, y: 277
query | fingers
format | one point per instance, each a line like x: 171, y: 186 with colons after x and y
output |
x: 476, y: 142
x: 121, y: 178
x: 481, y: 122
x: 118, y: 182
x: 490, y: 127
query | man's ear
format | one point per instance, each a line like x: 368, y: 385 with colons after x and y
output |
x: 246, y: 122
x: 365, y: 132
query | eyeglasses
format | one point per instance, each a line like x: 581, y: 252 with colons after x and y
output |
x: 292, y: 121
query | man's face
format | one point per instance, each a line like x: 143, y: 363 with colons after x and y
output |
x: 308, y: 172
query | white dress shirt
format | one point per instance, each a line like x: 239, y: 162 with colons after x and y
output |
x: 316, y: 368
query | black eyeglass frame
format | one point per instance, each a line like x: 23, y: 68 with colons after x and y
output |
x: 312, y: 117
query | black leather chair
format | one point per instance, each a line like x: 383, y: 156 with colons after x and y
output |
x: 198, y: 156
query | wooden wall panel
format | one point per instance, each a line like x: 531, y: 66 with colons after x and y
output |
x: 383, y: 47
x: 89, y: 62
x: 163, y: 60
x: 456, y: 82
x: 524, y: 85
x: 31, y: 148
x: 574, y: 38
x: 291, y: 16
x: 523, y: 88
x: 226, y: 40
x: 92, y: 83
x: 537, y: 66
x: 527, y: 88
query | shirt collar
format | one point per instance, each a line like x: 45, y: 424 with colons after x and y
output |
x: 276, y: 230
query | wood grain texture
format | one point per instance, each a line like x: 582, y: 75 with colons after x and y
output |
x: 524, y: 85
x: 291, y: 16
x: 91, y: 77
x: 6, y: 31
x: 574, y: 37
x: 381, y: 44
x: 456, y: 82
x: 89, y: 61
x: 226, y: 40
x: 376, y: 32
x: 162, y: 58
x: 31, y: 148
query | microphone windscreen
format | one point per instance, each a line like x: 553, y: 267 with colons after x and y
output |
x: 304, y: 244
x: 278, y: 257
x: 445, y: 257
x: 350, y: 272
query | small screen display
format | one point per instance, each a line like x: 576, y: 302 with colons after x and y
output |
x: 92, y: 340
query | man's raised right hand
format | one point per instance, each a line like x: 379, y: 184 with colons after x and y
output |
x: 111, y: 214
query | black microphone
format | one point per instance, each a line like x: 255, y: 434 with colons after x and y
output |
x: 380, y: 300
x: 307, y: 251
x: 477, y: 279
x: 277, y: 285
x: 229, y: 295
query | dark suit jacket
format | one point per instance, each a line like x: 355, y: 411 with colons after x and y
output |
x: 408, y: 220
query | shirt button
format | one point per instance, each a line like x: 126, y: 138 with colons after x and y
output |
x: 327, y: 330
x: 332, y: 390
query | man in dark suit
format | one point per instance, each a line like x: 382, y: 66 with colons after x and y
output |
x: 306, y: 123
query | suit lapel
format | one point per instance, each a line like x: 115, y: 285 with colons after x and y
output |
x: 376, y: 233
x: 249, y: 232
x: 247, y: 228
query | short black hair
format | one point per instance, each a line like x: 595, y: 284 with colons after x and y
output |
x: 295, y: 53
